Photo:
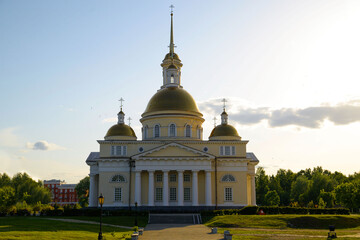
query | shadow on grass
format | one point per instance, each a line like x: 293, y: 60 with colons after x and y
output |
x: 10, y: 224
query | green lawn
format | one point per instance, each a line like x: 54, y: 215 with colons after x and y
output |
x: 40, y: 228
x: 287, y: 226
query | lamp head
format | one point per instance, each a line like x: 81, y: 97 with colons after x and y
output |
x: 101, y: 199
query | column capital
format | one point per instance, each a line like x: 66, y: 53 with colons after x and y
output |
x: 165, y: 171
x: 151, y: 171
x: 180, y: 171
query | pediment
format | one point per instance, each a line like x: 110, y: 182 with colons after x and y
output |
x: 173, y: 150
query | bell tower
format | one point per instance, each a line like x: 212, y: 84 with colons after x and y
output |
x: 171, y: 64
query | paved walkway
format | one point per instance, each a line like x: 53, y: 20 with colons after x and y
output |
x: 178, y: 232
x: 87, y: 222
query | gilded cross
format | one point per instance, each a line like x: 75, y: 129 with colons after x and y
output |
x: 172, y: 8
x: 121, y: 100
x: 224, y: 102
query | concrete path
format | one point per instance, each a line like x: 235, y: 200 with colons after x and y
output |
x: 87, y: 222
x: 178, y: 232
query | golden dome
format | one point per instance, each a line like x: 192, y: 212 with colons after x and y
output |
x: 224, y: 130
x: 120, y: 130
x: 175, y: 56
x: 172, y: 99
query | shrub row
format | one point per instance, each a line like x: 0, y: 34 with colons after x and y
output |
x: 252, y: 210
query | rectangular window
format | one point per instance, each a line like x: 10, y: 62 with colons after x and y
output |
x: 172, y: 194
x: 159, y: 177
x: 233, y: 150
x: 172, y: 177
x: 117, y: 195
x: 158, y: 194
x: 118, y: 150
x: 186, y: 177
x: 187, y: 194
x: 228, y: 194
x: 227, y: 151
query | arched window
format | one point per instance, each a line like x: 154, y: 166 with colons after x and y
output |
x: 146, y: 132
x: 157, y: 131
x: 118, y: 178
x: 172, y: 130
x: 188, y: 131
x: 228, y: 178
x: 172, y: 78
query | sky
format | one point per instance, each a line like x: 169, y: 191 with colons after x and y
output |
x: 288, y: 69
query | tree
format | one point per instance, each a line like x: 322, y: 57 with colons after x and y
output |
x: 262, y: 185
x: 272, y: 198
x: 82, y: 190
x: 5, y: 180
x: 348, y: 194
x: 299, y: 188
x: 7, y: 196
x: 328, y: 198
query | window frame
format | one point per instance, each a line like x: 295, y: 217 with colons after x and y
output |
x: 187, y: 177
x: 117, y: 195
x: 228, y: 195
x: 172, y: 130
x: 157, y: 131
x: 158, y: 194
x: 173, y: 194
x: 188, y: 131
x: 159, y: 177
x: 187, y: 197
x: 172, y: 177
x: 228, y: 178
x: 119, y: 178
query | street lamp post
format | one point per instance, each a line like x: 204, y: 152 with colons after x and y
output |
x: 101, y: 202
x: 136, y: 217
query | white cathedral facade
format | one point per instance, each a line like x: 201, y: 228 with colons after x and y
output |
x: 172, y: 165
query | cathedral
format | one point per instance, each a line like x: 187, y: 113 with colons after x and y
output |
x: 172, y: 166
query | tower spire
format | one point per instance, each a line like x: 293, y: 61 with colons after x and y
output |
x: 172, y: 45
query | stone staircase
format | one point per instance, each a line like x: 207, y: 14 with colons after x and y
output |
x: 186, y: 218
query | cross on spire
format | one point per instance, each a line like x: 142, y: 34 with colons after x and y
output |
x: 129, y: 118
x: 214, y: 121
x: 121, y: 100
x: 224, y: 102
x: 172, y: 8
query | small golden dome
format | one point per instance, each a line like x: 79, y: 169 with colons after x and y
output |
x: 172, y: 98
x: 175, y: 56
x: 224, y: 130
x: 120, y: 130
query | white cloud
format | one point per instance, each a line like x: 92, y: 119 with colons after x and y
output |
x: 309, y: 117
x: 44, y: 145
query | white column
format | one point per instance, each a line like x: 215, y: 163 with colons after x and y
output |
x: 138, y: 187
x: 165, y: 188
x: 195, y: 194
x: 253, y: 192
x: 180, y: 188
x: 151, y: 189
x: 208, y: 188
x: 92, y: 198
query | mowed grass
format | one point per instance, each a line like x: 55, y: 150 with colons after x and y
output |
x: 40, y: 228
x: 116, y: 220
x: 287, y: 226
